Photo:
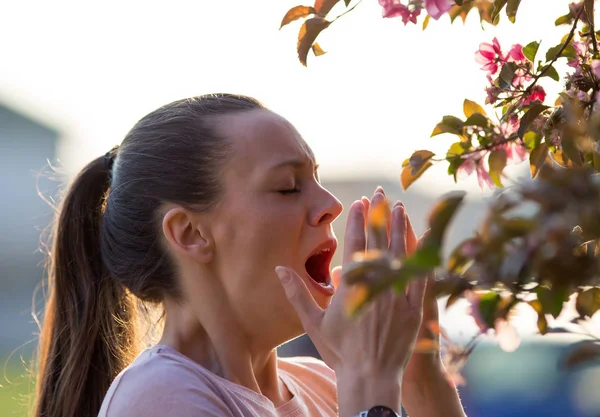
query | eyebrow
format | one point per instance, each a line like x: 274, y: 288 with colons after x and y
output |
x: 296, y: 163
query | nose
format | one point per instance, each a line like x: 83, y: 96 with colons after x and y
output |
x: 327, y: 208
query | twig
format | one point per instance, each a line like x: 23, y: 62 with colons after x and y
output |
x: 347, y: 11
x: 590, y: 16
x: 557, y: 55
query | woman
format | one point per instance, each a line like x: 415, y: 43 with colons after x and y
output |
x: 194, y: 211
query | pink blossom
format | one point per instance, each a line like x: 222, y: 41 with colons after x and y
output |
x: 506, y: 335
x: 596, y: 67
x: 521, y: 77
x: 515, y: 152
x: 436, y: 8
x: 510, y: 126
x: 575, y: 8
x: 516, y: 54
x: 489, y: 55
x: 474, y: 163
x: 538, y: 93
x: 492, y: 92
x: 483, y: 178
x: 474, y: 301
x: 554, y: 137
x: 581, y: 49
x: 575, y: 92
x: 393, y: 8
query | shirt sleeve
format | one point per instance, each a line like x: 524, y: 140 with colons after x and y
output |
x: 178, y: 393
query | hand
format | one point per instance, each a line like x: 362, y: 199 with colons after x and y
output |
x: 380, y: 340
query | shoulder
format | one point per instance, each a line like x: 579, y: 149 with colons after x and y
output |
x: 160, y: 382
x: 306, y: 367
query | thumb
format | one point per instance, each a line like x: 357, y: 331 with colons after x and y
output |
x: 300, y: 298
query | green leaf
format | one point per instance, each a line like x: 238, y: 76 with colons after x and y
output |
x: 532, y: 139
x: 470, y: 108
x: 449, y: 124
x: 568, y: 52
x: 424, y: 258
x: 564, y: 20
x: 511, y: 9
x: 457, y: 148
x: 440, y: 216
x: 537, y: 158
x: 530, y: 50
x: 588, y: 302
x: 552, y: 300
x: 453, y: 164
x: 497, y: 8
x: 414, y: 167
x: 542, y: 323
x: 311, y: 28
x: 347, y: 2
x: 570, y: 148
x: 552, y: 73
x: 507, y: 74
x: 477, y: 119
x: 296, y: 13
x: 497, y: 162
x: 534, y: 111
x: 488, y: 305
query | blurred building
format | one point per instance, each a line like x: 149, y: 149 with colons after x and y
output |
x: 26, y: 146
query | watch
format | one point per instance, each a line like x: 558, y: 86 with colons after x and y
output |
x: 379, y: 411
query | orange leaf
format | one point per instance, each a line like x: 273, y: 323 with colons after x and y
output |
x: 324, y: 6
x: 355, y: 298
x: 296, y: 13
x: 434, y: 327
x: 308, y: 34
x: 370, y: 255
x: 415, y: 166
x: 427, y: 346
x: 379, y: 215
x: 317, y: 50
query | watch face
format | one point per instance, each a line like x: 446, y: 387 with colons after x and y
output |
x: 381, y: 411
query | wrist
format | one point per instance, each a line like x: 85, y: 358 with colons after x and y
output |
x: 359, y: 391
x: 431, y: 394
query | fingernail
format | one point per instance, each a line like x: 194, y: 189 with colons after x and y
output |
x: 399, y: 204
x: 283, y: 275
x: 379, y: 190
x: 358, y: 205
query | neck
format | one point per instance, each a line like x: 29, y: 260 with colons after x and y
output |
x: 223, y: 349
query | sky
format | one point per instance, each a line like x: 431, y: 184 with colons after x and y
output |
x: 93, y: 70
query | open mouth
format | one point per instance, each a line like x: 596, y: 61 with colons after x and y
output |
x: 318, y: 264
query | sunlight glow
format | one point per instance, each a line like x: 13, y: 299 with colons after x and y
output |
x: 364, y: 106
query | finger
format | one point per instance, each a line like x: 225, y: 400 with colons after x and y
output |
x: 416, y: 293
x: 398, y: 231
x: 379, y: 211
x: 300, y: 298
x: 336, y: 276
x: 367, y: 203
x: 411, y: 236
x: 354, y: 237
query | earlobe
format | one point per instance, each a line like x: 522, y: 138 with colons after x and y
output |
x: 185, y: 235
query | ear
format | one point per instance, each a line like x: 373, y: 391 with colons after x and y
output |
x: 186, y: 235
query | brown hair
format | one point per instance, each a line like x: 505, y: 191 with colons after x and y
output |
x: 106, y: 247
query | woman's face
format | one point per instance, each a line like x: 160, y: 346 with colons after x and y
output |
x: 274, y: 211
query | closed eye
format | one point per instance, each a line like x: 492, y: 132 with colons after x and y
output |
x: 290, y: 191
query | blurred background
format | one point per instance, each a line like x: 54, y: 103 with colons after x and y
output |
x: 76, y: 76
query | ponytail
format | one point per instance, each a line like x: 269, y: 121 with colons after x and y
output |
x: 88, y: 334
